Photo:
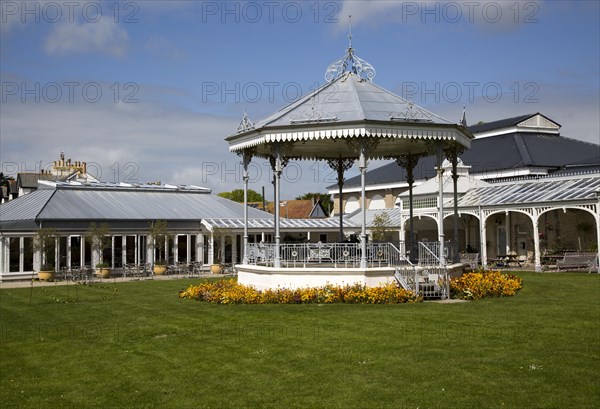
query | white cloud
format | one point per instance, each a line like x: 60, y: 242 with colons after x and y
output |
x: 104, y: 36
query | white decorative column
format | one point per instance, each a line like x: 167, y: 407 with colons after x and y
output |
x: 68, y: 260
x: 188, y: 246
x: 277, y: 174
x: 440, y: 172
x: 362, y: 165
x: 200, y: 248
x: 124, y: 251
x: 483, y: 239
x: 509, y: 248
x: 175, y: 249
x: 246, y: 157
x: 536, y: 243
x: 211, y: 249
x: 3, y: 268
x: 112, y: 251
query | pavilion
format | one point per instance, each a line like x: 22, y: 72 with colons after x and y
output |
x: 347, y: 119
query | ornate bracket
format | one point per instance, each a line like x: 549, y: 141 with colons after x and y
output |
x: 285, y: 149
x: 313, y: 114
x: 246, y: 155
x: 364, y: 146
x: 409, y: 162
x: 412, y: 113
x: 340, y: 165
x: 452, y: 153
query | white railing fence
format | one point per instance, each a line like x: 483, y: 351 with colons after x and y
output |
x: 336, y: 254
x: 429, y: 278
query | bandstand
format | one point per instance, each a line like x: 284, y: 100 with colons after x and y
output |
x: 349, y: 119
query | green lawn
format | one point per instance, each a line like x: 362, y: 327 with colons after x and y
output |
x: 143, y: 347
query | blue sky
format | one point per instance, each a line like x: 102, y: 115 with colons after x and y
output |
x: 148, y: 90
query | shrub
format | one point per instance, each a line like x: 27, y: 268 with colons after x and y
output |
x: 485, y: 284
x: 231, y: 292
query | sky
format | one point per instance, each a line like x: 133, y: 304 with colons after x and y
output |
x: 147, y: 91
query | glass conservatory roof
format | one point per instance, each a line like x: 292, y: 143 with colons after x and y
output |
x: 537, y: 191
x: 302, y: 224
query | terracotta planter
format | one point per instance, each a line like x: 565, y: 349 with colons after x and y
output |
x: 160, y: 269
x: 103, y: 272
x: 46, y: 275
x: 215, y: 269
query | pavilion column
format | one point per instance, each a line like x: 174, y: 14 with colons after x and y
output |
x: 362, y: 165
x: 536, y: 243
x: 456, y: 257
x: 482, y: 239
x: 211, y: 248
x: 409, y: 162
x: 340, y: 165
x: 2, y: 254
x: 246, y: 157
x: 509, y: 248
x: 200, y: 248
x: 452, y: 155
x: 440, y: 172
x: 277, y: 169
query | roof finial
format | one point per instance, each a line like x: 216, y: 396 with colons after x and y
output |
x: 350, y: 63
x: 463, y: 120
x: 350, y: 31
x: 246, y: 123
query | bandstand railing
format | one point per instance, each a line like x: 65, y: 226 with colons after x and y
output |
x: 429, y: 278
x: 332, y: 254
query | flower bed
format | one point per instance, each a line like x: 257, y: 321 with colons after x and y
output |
x: 485, y: 284
x: 230, y: 292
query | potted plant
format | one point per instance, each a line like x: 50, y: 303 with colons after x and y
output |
x: 160, y: 267
x: 160, y: 235
x: 103, y: 270
x: 100, y: 240
x: 44, y: 242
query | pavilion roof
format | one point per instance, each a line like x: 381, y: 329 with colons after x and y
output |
x: 347, y: 107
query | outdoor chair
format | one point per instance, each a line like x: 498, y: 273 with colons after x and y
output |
x: 472, y: 259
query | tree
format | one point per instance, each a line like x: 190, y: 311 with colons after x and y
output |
x: 324, y: 198
x: 160, y: 235
x: 100, y: 240
x: 380, y: 230
x: 237, y: 195
x: 220, y: 240
x: 45, y: 242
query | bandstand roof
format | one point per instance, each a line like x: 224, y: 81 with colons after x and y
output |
x: 347, y: 107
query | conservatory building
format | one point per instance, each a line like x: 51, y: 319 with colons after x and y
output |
x: 201, y: 228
